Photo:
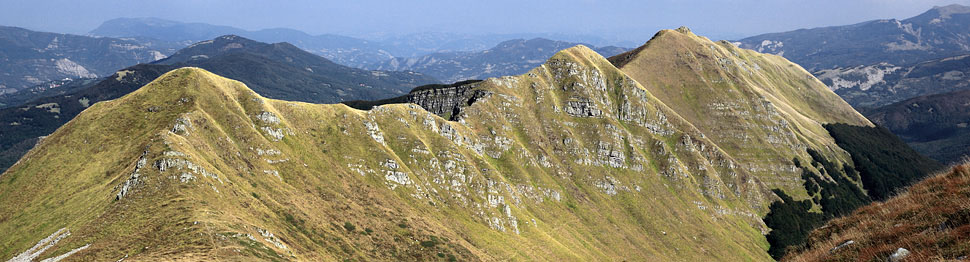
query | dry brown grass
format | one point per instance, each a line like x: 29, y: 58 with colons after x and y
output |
x: 931, y: 219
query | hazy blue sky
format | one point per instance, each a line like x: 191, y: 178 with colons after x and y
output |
x: 634, y: 20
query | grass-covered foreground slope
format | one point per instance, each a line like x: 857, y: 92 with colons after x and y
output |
x: 572, y: 161
x: 928, y: 222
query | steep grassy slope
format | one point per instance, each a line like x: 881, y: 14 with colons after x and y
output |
x: 930, y: 221
x: 768, y: 114
x: 572, y: 161
x: 761, y: 109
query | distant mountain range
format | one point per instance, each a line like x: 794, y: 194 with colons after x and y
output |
x: 276, y: 70
x: 344, y: 50
x: 419, y: 44
x: 29, y: 58
x: 350, y: 51
x: 937, y: 33
x: 512, y: 57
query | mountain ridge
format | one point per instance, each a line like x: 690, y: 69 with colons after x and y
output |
x: 282, y: 118
x: 576, y: 159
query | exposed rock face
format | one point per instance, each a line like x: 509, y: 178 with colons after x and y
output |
x: 133, y: 180
x: 582, y: 108
x: 447, y: 101
x: 44, y: 244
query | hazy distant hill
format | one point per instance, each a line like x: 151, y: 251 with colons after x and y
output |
x: 341, y: 49
x: 511, y: 57
x: 29, y: 58
x: 420, y: 44
x: 350, y: 51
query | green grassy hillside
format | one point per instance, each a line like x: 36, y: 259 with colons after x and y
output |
x: 762, y: 109
x: 193, y: 164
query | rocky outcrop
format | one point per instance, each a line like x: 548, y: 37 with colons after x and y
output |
x: 447, y: 101
x: 443, y: 100
x: 134, y: 178
x: 44, y: 244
